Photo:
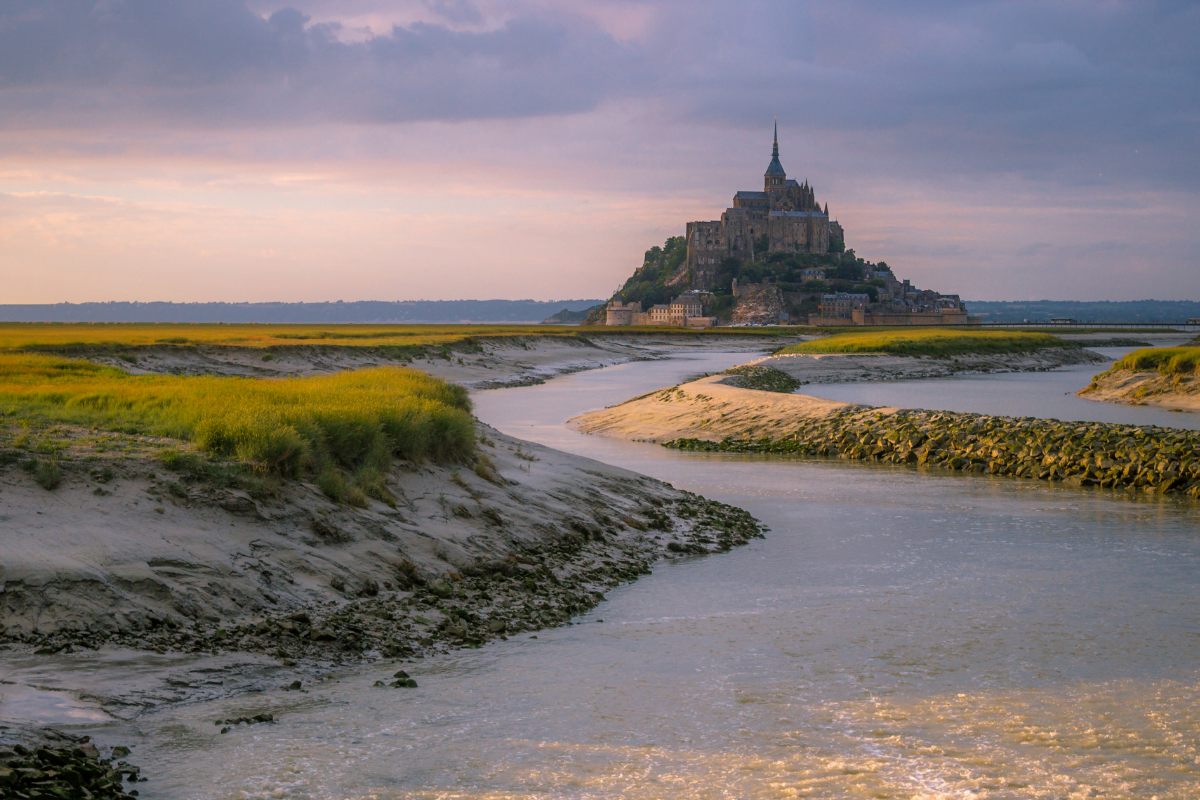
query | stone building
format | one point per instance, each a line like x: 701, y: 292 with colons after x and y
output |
x: 686, y: 311
x: 898, y: 303
x: 618, y: 313
x: 783, y: 217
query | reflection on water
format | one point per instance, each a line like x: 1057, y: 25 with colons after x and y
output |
x: 898, y: 634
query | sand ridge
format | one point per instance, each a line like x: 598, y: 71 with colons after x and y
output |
x: 707, y: 408
x: 1173, y: 392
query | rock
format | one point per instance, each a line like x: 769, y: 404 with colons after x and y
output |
x: 330, y: 531
x: 70, y: 772
x: 120, y: 751
x: 337, y: 583
x: 1082, y: 453
x: 236, y: 502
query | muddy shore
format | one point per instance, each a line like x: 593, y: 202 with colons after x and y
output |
x: 477, y: 364
x: 140, y: 578
x: 843, y: 368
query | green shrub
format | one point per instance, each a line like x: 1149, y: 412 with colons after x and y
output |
x: 333, y: 484
x: 48, y: 474
x: 486, y: 469
x: 373, y: 483
x: 356, y: 498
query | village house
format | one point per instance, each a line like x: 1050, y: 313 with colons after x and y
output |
x: 685, y: 311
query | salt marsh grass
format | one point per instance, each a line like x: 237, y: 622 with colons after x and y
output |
x: 936, y: 342
x: 1164, y: 360
x: 350, y: 420
x: 86, y: 338
x: 68, y: 337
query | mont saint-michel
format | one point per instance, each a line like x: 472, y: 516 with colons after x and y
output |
x: 774, y: 256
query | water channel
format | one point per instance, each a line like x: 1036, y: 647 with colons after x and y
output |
x: 898, y: 634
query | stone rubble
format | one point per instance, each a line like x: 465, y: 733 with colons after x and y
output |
x: 1145, y: 458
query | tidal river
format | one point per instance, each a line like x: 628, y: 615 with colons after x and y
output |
x: 898, y: 634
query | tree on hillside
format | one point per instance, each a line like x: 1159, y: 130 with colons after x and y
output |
x: 647, y: 285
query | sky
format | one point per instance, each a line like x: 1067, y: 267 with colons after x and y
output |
x: 249, y: 150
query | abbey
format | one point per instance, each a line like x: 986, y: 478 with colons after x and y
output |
x: 783, y: 217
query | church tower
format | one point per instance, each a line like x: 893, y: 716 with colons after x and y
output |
x: 775, y: 177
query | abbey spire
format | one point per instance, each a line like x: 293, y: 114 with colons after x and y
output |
x: 775, y: 177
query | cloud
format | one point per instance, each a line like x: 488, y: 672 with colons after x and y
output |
x: 215, y: 63
x: 455, y: 11
x: 1055, y: 124
x: 1044, y: 89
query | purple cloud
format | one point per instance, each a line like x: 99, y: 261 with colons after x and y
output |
x: 1038, y: 89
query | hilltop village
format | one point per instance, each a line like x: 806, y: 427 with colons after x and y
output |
x: 774, y: 257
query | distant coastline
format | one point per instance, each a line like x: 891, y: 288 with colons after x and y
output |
x: 1104, y: 311
x: 525, y: 311
x: 364, y: 311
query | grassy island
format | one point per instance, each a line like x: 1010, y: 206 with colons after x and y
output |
x: 1163, y: 360
x: 933, y: 342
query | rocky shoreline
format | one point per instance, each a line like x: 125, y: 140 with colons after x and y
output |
x: 750, y: 409
x: 1145, y: 458
x: 53, y: 765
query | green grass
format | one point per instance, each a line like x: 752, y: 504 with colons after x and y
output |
x: 936, y: 342
x: 351, y: 420
x: 1164, y: 360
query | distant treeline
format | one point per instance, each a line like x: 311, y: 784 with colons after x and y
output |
x: 1103, y: 311
x: 367, y: 311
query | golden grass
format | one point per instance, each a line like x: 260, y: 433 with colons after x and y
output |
x: 79, y: 337
x: 1164, y: 360
x: 71, y: 336
x: 937, y: 342
x: 352, y: 420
